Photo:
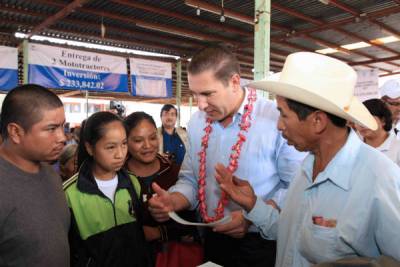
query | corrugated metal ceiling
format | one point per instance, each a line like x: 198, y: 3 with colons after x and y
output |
x: 174, y: 28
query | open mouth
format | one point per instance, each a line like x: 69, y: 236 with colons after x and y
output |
x: 149, y: 153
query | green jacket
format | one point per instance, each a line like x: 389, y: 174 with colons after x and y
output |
x: 104, y: 233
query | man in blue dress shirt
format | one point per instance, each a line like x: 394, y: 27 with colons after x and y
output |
x: 344, y: 201
x: 173, y: 140
x: 266, y: 159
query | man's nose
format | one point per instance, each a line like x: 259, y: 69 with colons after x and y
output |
x: 61, y: 137
x: 202, y: 103
x: 280, y: 124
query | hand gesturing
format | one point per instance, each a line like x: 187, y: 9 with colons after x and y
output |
x: 238, y: 190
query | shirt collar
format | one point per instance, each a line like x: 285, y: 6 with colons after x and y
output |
x: 165, y: 132
x: 244, y: 102
x: 339, y: 169
x: 86, y: 181
x: 236, y: 116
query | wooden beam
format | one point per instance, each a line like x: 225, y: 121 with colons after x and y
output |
x: 114, y: 30
x: 386, y: 28
x: 217, y: 10
x: 381, y: 46
x: 65, y: 11
x: 303, y: 48
x: 390, y: 73
x: 191, y: 19
x: 358, y: 14
x: 319, y: 23
x: 333, y: 24
x: 169, y: 29
x: 379, y: 60
x: 344, y: 7
x: 138, y: 35
x: 335, y: 46
x: 154, y: 45
x: 297, y: 14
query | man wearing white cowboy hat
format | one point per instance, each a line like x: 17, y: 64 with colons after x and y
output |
x: 390, y: 92
x: 345, y: 199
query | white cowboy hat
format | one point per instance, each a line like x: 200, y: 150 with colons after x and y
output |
x: 321, y: 82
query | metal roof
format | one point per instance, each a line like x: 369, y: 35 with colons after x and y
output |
x: 172, y: 27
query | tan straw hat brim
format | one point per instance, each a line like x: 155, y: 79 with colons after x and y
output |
x: 355, y: 111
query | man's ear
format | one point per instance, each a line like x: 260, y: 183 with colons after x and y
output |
x: 319, y: 121
x: 15, y: 132
x: 383, y: 122
x: 89, y: 149
x: 235, y: 80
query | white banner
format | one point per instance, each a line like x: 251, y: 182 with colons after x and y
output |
x: 151, y: 78
x: 57, y: 67
x: 367, y: 84
x: 8, y: 67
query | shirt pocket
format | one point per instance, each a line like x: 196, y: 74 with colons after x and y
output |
x: 317, y: 243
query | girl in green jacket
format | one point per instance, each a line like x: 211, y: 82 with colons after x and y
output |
x: 106, y: 229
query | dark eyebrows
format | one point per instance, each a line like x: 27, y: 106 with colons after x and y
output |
x: 115, y: 143
x: 55, y: 125
x: 206, y: 92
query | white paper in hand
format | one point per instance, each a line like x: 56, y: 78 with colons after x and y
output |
x: 209, y: 264
x: 178, y: 219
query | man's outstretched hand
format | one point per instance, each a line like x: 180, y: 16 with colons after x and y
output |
x: 160, y: 204
x: 238, y: 190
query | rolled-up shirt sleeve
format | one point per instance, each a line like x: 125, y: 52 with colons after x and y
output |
x: 265, y: 218
x: 187, y: 180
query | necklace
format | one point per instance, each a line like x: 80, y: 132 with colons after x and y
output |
x: 245, y: 123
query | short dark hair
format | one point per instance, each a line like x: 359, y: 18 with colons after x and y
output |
x: 378, y: 108
x: 217, y: 58
x: 168, y: 107
x: 135, y: 118
x: 24, y: 105
x: 303, y: 111
x: 92, y: 130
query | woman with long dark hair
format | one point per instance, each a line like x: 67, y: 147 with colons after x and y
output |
x: 172, y: 244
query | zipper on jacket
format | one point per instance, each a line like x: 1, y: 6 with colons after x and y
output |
x: 113, y: 205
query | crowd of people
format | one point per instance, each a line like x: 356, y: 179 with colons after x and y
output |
x: 312, y: 179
